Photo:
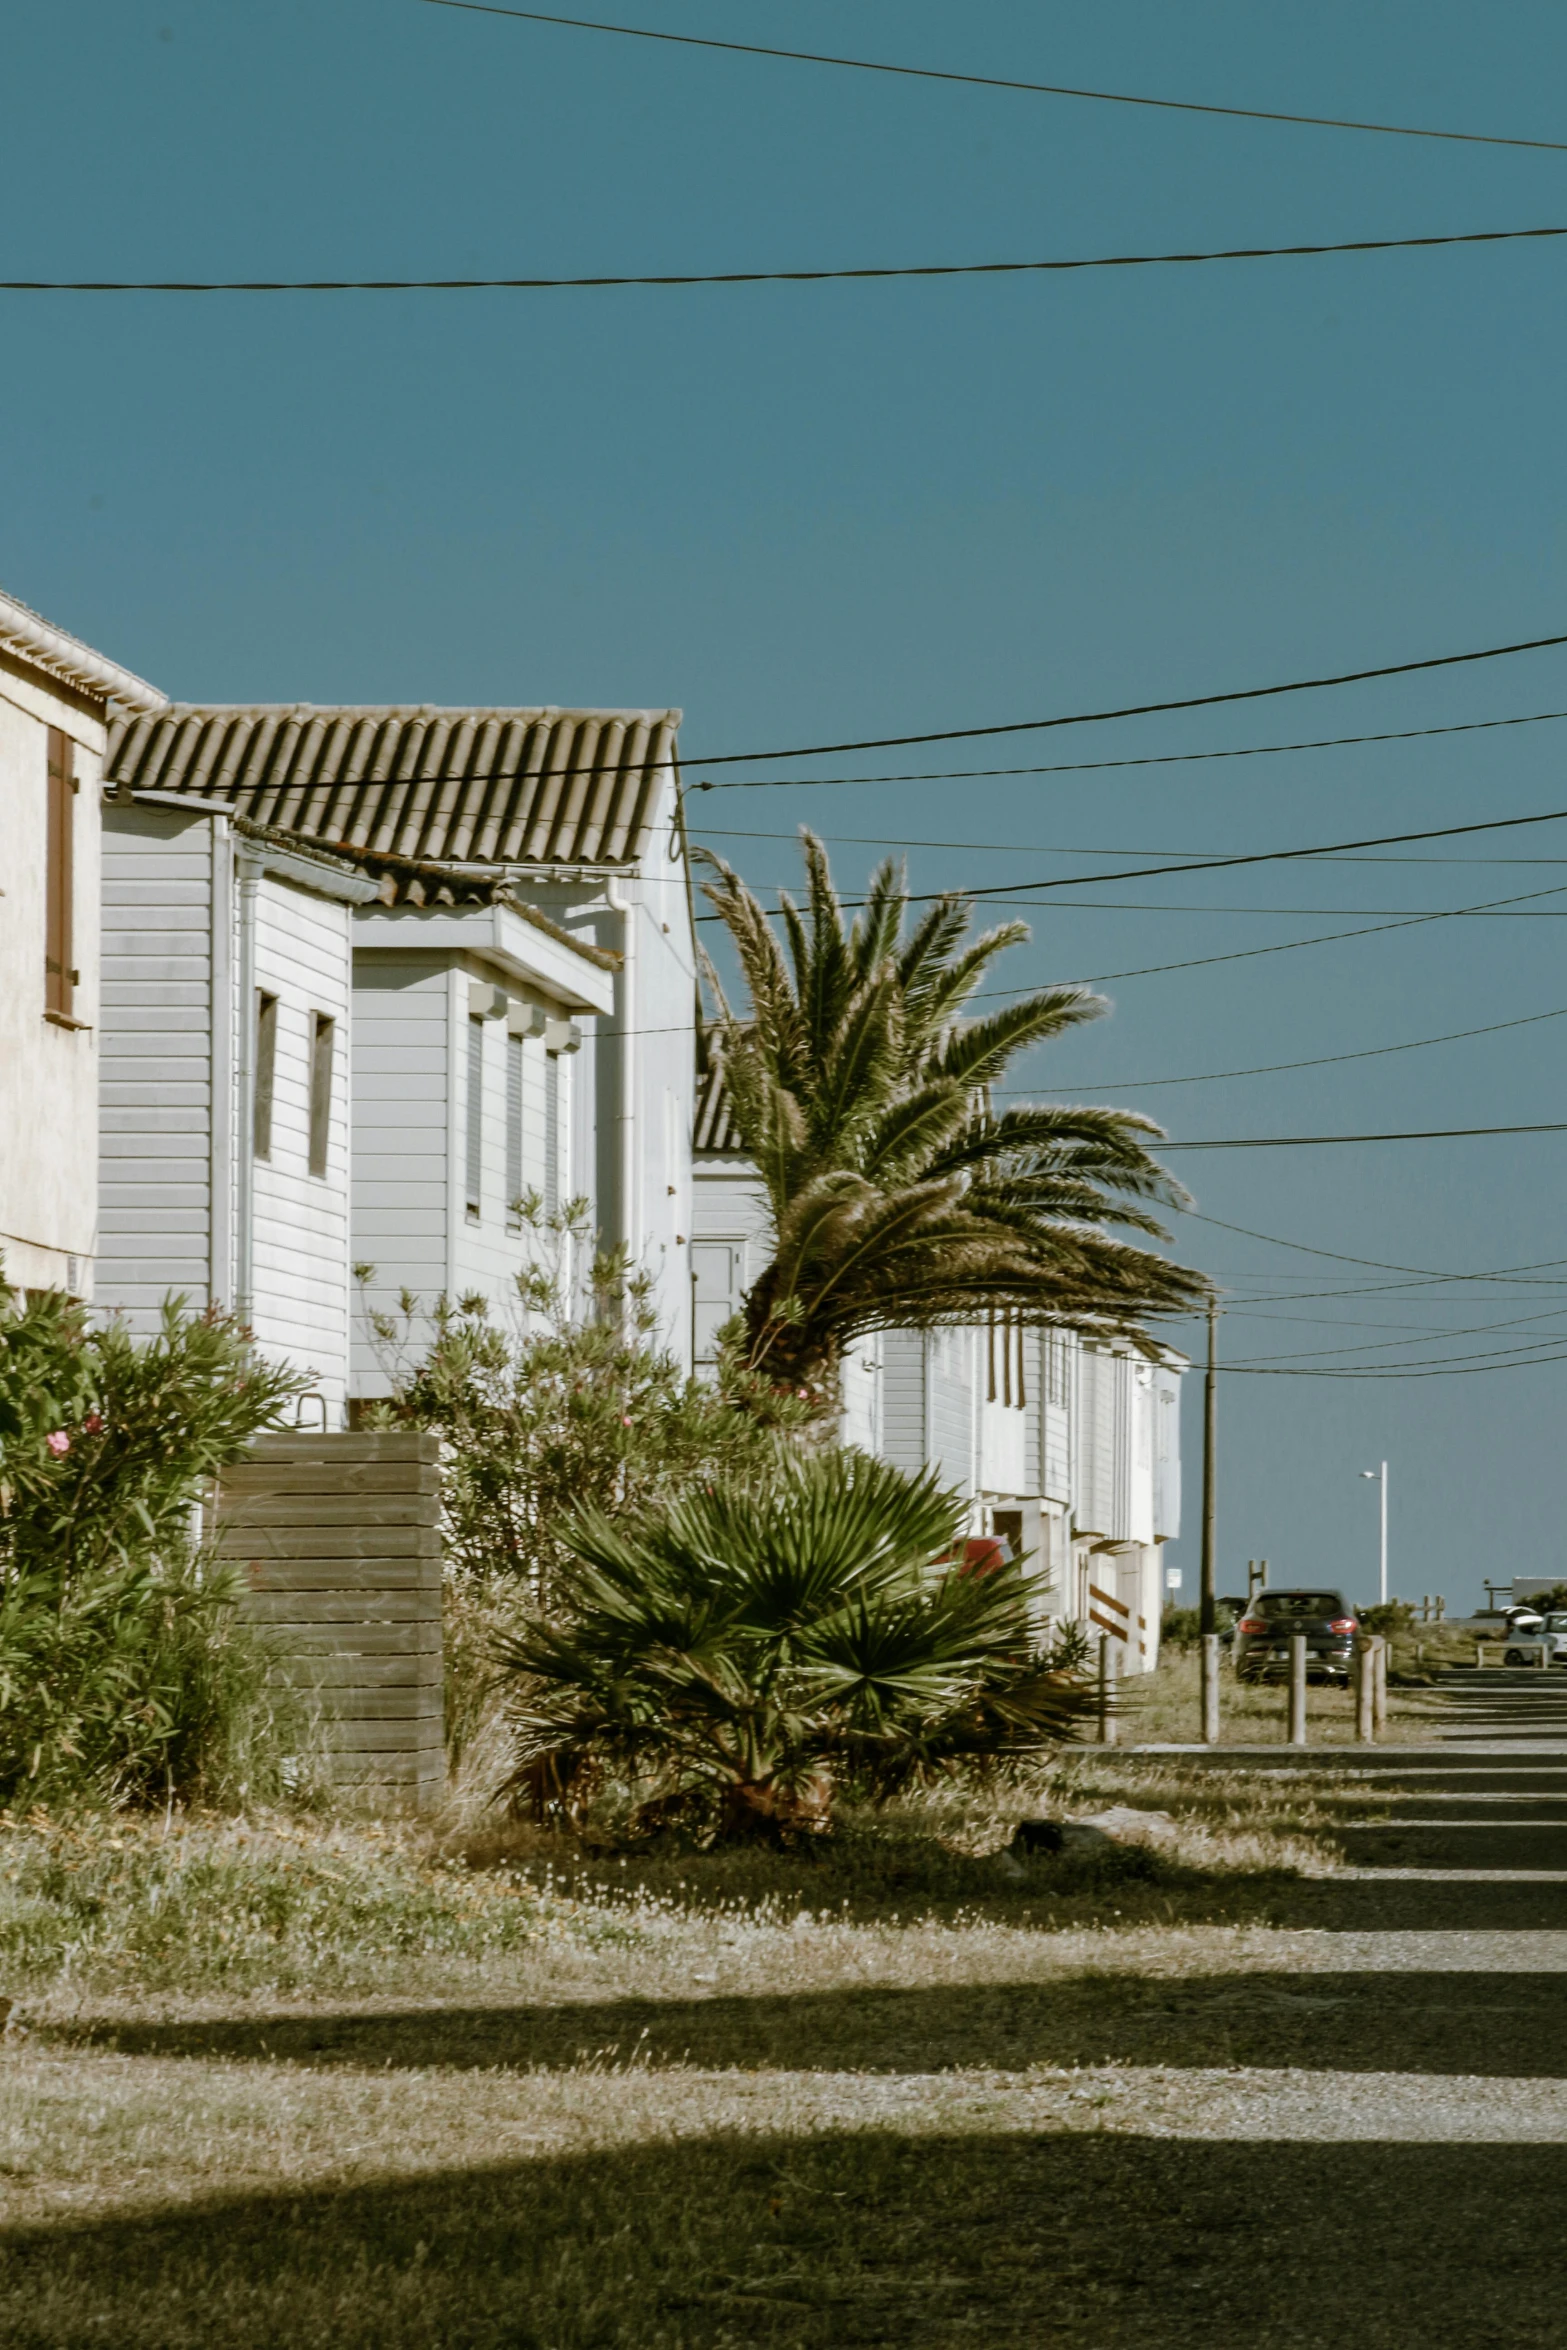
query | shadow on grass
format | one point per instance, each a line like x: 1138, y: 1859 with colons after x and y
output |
x: 1370, y: 2021
x: 836, y: 2242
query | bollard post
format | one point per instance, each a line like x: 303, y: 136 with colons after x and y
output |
x: 1365, y: 1691
x: 1379, y: 1688
x: 1542, y: 1655
x: 1297, y: 1718
x: 1210, y: 1689
x: 1109, y: 1728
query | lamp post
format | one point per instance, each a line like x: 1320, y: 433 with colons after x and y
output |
x: 1379, y: 1477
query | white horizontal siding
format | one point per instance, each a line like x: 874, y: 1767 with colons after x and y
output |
x: 300, y: 1245
x: 903, y: 1399
x: 155, y: 1064
x: 402, y: 1176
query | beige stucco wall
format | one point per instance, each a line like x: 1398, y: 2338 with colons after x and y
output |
x: 48, y: 1074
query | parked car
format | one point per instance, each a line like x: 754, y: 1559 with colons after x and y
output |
x: 1272, y: 1618
x: 1528, y: 1633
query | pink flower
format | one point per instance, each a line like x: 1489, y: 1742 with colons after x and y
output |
x: 625, y: 1419
x: 58, y: 1442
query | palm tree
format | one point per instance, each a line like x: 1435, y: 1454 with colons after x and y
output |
x: 900, y: 1199
x: 737, y: 1659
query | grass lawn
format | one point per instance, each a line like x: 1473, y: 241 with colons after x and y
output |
x: 305, y: 2080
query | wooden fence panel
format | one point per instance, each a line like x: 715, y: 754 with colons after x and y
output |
x: 338, y: 1538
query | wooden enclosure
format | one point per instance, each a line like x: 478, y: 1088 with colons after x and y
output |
x: 338, y: 1538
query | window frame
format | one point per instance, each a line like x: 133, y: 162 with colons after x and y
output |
x: 323, y: 1062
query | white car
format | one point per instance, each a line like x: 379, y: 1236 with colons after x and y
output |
x: 1528, y: 1633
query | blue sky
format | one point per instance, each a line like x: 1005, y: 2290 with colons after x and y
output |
x: 804, y: 513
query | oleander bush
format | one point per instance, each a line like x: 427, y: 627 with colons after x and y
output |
x: 126, y: 1673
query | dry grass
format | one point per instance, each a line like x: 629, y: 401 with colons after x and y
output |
x: 313, y: 2080
x: 1164, y: 1707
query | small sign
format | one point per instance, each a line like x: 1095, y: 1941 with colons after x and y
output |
x: 1172, y: 1578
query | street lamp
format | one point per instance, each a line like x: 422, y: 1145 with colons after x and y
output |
x: 1379, y: 1477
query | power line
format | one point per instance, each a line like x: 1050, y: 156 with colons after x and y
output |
x: 1387, y: 1345
x: 1277, y: 1068
x: 989, y: 81
x: 1371, y: 1264
x: 1333, y: 742
x: 1330, y: 848
x: 1524, y: 1363
x: 1277, y: 1142
x: 1249, y: 693
x: 603, y: 282
x: 1287, y: 946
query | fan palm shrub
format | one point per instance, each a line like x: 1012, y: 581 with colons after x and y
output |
x: 736, y: 1660
x: 899, y: 1197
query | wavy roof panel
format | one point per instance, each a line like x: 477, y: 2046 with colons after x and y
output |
x: 463, y: 786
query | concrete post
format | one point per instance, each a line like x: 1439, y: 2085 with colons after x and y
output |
x: 1297, y: 1716
x: 1109, y: 1727
x: 1210, y: 1689
x: 1379, y: 1701
x: 1365, y: 1690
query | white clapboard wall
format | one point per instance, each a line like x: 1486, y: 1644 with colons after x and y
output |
x: 337, y: 1538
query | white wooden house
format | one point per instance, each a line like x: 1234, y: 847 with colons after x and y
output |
x: 525, y: 979
x: 54, y: 697
x: 1067, y: 1448
x: 224, y: 1151
x: 470, y: 1008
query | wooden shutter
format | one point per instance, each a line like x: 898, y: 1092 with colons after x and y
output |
x: 552, y: 1134
x: 59, y: 978
x: 514, y: 1074
x: 474, y: 1155
x: 266, y: 1072
x: 323, y: 1035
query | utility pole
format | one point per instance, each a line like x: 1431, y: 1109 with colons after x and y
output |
x: 1379, y: 1477
x: 1210, y: 1430
x: 1208, y: 1645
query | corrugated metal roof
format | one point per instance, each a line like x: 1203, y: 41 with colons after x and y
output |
x: 59, y: 654
x: 484, y: 786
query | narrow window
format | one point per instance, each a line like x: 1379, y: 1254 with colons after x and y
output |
x: 59, y: 979
x: 513, y: 1131
x: 552, y: 1134
x: 1021, y: 1398
x: 475, y: 1152
x: 266, y: 1070
x: 323, y: 1037
x: 990, y: 1360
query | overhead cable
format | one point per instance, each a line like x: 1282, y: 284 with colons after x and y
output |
x: 1249, y: 693
x: 1332, y: 742
x: 1383, y: 840
x: 1261, y: 1371
x: 1372, y: 1264
x: 1278, y: 1068
x: 991, y: 81
x: 1284, y: 1142
x: 605, y: 282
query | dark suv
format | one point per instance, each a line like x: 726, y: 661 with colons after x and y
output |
x: 1272, y: 1618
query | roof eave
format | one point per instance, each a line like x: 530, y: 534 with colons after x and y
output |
x: 64, y: 658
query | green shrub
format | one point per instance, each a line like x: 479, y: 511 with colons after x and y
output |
x: 124, y: 1672
x: 1181, y: 1627
x: 571, y: 1405
x: 735, y: 1660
